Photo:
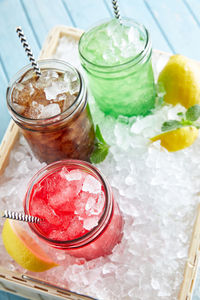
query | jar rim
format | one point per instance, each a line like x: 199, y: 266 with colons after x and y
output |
x: 107, y: 212
x: 133, y: 60
x: 56, y: 118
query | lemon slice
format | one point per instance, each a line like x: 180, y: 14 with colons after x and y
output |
x: 23, y: 249
x: 177, y: 139
x: 181, y: 81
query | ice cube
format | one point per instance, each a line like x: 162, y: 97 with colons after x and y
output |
x: 53, y: 74
x: 74, y: 175
x: 155, y: 284
x: 31, y: 89
x: 64, y: 171
x: 75, y: 229
x: 129, y: 180
x: 56, y: 88
x: 41, y: 210
x: 80, y: 203
x: 62, y: 200
x: 69, y: 100
x: 94, y: 205
x: 67, y: 77
x: 90, y: 203
x: 131, y: 33
x: 19, y: 86
x: 74, y: 87
x: 91, y: 185
x: 61, y: 97
x: 90, y: 223
x: 49, y: 110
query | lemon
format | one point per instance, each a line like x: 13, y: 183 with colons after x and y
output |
x: 23, y: 249
x: 177, y: 139
x: 181, y: 81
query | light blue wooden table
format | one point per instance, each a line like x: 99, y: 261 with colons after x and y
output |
x: 174, y: 26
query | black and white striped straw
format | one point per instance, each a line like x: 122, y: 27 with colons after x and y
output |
x: 28, y: 51
x: 116, y: 10
x: 19, y: 216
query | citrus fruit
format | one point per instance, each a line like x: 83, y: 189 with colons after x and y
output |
x: 181, y: 81
x: 177, y: 139
x: 23, y: 249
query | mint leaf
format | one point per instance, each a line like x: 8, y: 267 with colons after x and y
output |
x: 193, y: 113
x: 99, y: 154
x: 101, y: 148
x: 171, y: 125
x: 99, y: 136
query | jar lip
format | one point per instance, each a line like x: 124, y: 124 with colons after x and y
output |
x: 54, y: 118
x: 132, y: 60
x: 95, y: 231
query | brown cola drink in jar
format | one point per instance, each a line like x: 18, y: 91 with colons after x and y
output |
x: 52, y: 111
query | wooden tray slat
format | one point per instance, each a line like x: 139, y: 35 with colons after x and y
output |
x: 192, y: 263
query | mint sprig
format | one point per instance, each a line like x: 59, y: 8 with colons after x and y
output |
x: 187, y: 119
x: 101, y: 148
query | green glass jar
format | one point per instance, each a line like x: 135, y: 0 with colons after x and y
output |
x: 117, y: 61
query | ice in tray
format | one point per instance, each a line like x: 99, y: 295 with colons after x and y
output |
x: 157, y: 192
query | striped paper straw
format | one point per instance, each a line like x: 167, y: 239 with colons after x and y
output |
x: 19, y: 216
x: 116, y: 10
x: 28, y: 51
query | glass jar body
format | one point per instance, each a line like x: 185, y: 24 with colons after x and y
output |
x: 69, y: 134
x: 101, y: 239
x: 104, y: 243
x: 122, y: 89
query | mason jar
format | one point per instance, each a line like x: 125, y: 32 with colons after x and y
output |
x: 67, y: 134
x: 121, y: 83
x: 100, y: 239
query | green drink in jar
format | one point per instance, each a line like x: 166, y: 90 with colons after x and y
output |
x: 117, y: 59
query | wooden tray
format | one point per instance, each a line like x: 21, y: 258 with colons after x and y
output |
x: 33, y: 288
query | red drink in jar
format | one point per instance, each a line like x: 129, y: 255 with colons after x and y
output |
x: 77, y: 208
x: 52, y: 111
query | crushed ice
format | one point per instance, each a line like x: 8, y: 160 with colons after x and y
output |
x: 90, y: 223
x: 120, y: 42
x: 49, y: 110
x: 73, y: 175
x: 55, y: 89
x: 91, y: 185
